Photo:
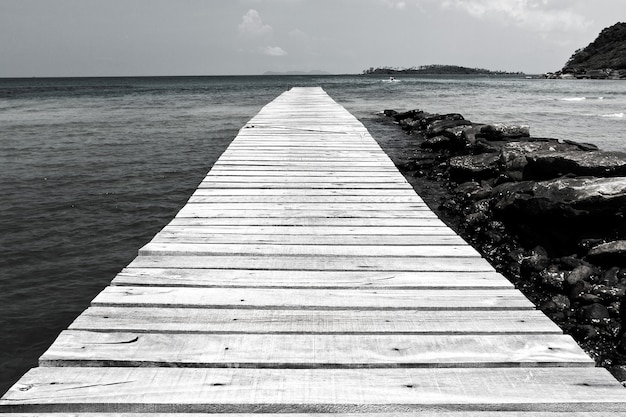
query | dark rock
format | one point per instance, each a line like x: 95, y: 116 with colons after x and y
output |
x: 580, y: 273
x: 607, y: 294
x: 437, y: 143
x: 404, y: 115
x: 570, y: 262
x: 611, y: 253
x: 579, y: 290
x: 500, y: 131
x: 610, y: 277
x: 554, y: 280
x: 595, y: 314
x: 470, y: 132
x: 390, y: 113
x: 587, y: 298
x: 514, y: 154
x: 584, y: 332
x: 548, y: 165
x: 557, y: 304
x: 537, y: 260
x: 473, y: 167
x: 560, y: 212
x: 439, y: 127
x: 467, y: 188
x: 583, y: 146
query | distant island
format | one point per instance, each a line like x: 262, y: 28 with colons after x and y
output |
x: 604, y: 58
x: 435, y: 70
x: 314, y: 72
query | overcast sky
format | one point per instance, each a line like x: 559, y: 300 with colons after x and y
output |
x: 223, y: 37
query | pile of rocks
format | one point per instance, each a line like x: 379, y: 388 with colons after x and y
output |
x: 548, y: 214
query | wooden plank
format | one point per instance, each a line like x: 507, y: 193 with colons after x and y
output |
x: 197, y: 210
x: 251, y: 166
x: 210, y: 249
x: 409, y: 222
x: 305, y: 185
x: 85, y: 348
x: 172, y: 234
x: 354, y: 321
x: 300, y: 173
x: 408, y: 232
x: 228, y: 278
x: 295, y: 298
x: 302, y: 199
x: 315, y: 263
x: 288, y: 179
x: 305, y: 192
x: 310, y: 207
x: 211, y: 390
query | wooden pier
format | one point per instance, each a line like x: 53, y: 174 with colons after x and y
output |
x: 306, y: 276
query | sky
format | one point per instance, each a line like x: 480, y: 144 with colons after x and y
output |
x: 59, y: 38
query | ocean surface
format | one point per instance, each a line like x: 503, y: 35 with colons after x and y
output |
x: 92, y: 168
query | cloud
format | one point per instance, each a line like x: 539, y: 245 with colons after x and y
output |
x: 535, y: 15
x: 252, y: 25
x: 274, y: 51
x: 395, y: 4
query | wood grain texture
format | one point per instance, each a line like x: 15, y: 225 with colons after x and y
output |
x: 275, y: 298
x: 85, y: 348
x: 283, y: 249
x: 245, y: 278
x: 289, y: 321
x: 314, y: 390
x: 316, y: 263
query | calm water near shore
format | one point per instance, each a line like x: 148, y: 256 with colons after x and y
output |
x: 91, y: 169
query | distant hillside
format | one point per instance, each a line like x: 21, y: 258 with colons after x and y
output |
x: 603, y: 58
x: 433, y: 70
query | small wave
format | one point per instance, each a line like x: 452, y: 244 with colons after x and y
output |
x: 581, y: 98
x: 614, y: 116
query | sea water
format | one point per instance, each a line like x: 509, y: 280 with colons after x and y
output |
x: 92, y: 168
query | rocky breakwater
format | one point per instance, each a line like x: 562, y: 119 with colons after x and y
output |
x: 547, y: 213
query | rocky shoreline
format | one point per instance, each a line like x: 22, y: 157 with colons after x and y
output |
x: 548, y: 214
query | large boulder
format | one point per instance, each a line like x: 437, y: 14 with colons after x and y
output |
x: 547, y: 165
x: 610, y: 253
x: 439, y: 127
x: 559, y: 213
x: 501, y: 131
x: 474, y: 167
x: 515, y: 154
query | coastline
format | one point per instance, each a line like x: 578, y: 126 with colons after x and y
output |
x: 478, y: 179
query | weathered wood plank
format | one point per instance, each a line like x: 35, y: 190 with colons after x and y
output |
x: 346, y: 222
x: 306, y: 185
x: 311, y: 298
x: 251, y: 166
x: 306, y: 390
x: 300, y: 173
x: 354, y: 321
x: 209, y: 249
x: 315, y: 263
x: 308, y: 279
x: 197, y: 210
x: 303, y: 199
x: 304, y: 192
x: 310, y: 207
x: 85, y: 348
x: 408, y: 232
x: 170, y: 234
